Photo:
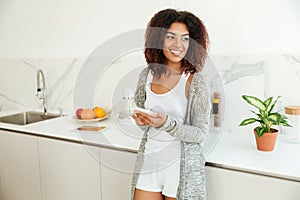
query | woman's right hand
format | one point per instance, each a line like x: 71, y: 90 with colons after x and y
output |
x: 157, y: 120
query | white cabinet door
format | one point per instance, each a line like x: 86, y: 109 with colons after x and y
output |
x: 116, y: 173
x: 19, y: 166
x: 224, y: 184
x: 69, y: 171
x: 0, y: 183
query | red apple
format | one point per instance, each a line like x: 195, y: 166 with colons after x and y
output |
x: 78, y: 113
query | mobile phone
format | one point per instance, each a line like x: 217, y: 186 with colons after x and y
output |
x: 148, y: 112
x: 91, y: 128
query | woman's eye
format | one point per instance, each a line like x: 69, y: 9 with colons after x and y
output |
x: 170, y: 37
x: 185, y: 39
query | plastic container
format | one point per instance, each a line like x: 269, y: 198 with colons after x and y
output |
x: 293, y: 133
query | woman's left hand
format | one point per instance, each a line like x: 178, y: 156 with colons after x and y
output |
x: 157, y: 120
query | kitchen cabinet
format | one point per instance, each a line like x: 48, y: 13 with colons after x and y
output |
x: 226, y: 184
x: 38, y: 168
x: 41, y: 167
x: 0, y: 187
x: 19, y: 167
x: 116, y: 173
x: 69, y: 171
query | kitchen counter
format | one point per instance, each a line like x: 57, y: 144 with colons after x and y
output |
x: 236, y: 150
x: 123, y: 137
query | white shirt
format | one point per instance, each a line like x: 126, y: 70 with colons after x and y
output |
x: 161, y: 148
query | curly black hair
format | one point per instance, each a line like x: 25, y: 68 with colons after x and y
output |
x: 156, y: 30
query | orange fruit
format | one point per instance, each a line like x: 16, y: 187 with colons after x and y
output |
x: 99, y: 112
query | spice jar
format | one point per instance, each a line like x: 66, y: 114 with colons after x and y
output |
x: 293, y: 133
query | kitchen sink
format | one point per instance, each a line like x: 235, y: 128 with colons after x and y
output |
x: 29, y: 117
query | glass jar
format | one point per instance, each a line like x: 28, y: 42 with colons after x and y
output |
x: 293, y: 115
x: 126, y: 104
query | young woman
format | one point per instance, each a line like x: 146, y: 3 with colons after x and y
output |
x: 170, y: 162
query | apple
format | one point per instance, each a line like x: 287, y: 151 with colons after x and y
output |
x: 87, y: 114
x: 78, y: 113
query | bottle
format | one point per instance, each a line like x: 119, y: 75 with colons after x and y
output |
x: 216, y: 101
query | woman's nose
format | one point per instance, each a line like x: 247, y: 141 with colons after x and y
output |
x: 178, y: 42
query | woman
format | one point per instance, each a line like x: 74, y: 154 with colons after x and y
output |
x: 170, y: 162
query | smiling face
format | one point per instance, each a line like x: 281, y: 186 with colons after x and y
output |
x: 176, y: 43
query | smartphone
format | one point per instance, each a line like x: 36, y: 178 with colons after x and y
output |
x: 148, y: 112
x: 91, y: 128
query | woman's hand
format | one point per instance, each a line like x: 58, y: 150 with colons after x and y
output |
x: 157, y: 120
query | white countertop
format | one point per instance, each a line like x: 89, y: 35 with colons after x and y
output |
x: 238, y: 151
x: 125, y: 137
x: 235, y: 150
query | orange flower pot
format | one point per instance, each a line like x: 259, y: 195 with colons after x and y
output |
x: 267, y: 141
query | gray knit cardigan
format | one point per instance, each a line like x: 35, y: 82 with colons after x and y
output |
x: 191, y: 134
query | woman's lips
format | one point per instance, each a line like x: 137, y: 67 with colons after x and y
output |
x: 176, y: 52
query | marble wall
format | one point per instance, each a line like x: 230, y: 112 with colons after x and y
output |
x: 262, y: 76
x: 259, y: 75
x: 18, y: 82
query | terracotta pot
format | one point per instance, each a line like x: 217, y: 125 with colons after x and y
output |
x: 267, y: 141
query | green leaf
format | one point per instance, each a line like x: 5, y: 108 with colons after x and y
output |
x: 268, y: 102
x: 283, y: 121
x: 255, y: 102
x: 285, y: 124
x: 282, y: 118
x: 262, y: 112
x: 248, y: 121
x: 275, y: 118
x: 273, y: 104
x: 258, y: 115
x: 264, y: 119
x: 257, y: 129
x: 260, y: 131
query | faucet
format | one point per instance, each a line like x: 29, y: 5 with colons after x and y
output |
x: 42, y: 91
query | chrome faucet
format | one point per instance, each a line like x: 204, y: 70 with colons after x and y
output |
x: 42, y: 91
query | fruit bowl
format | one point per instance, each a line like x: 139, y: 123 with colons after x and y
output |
x: 90, y: 115
x: 90, y: 120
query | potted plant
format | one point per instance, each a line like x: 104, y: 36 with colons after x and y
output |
x: 265, y: 133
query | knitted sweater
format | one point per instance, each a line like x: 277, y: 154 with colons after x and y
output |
x: 191, y: 134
